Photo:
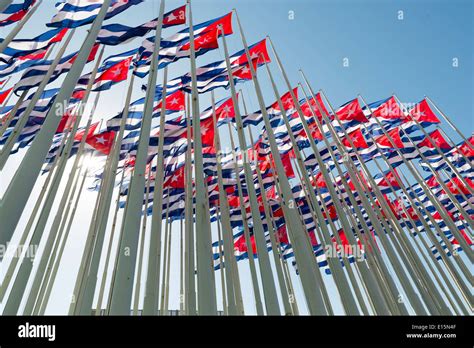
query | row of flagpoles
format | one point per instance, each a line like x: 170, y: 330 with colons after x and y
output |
x: 316, y: 179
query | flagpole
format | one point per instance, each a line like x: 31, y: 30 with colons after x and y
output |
x: 51, y: 196
x: 380, y: 305
x: 453, y: 126
x: 234, y: 295
x: 451, y: 291
x: 150, y: 304
x: 302, y: 249
x: 189, y: 270
x: 110, y: 242
x: 278, y: 259
x: 407, y: 247
x: 222, y: 266
x: 23, y: 118
x: 4, y: 4
x: 17, y: 194
x: 6, y: 41
x: 165, y: 254
x: 45, y: 293
x: 26, y: 268
x: 99, y: 224
x: 438, y: 149
x: 268, y: 282
x: 271, y: 231
x: 376, y: 221
x: 248, y: 243
x: 427, y: 192
x: 415, y: 173
x: 138, y: 276
x: 181, y: 267
x: 31, y: 220
x: 123, y: 282
x: 342, y: 284
x: 205, y: 274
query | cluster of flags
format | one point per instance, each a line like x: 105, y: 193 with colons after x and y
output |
x: 306, y: 158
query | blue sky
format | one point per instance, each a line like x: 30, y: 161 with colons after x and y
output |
x: 411, y: 57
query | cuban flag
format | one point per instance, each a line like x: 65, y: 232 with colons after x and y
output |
x: 423, y: 114
x: 387, y: 112
x: 178, y: 45
x: 75, y: 13
x: 214, y: 75
x: 21, y: 63
x: 15, y: 12
x: 21, y: 47
x: 108, y: 76
x: 115, y: 34
x: 35, y: 74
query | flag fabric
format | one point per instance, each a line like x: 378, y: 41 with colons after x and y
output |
x: 35, y: 74
x: 75, y: 13
x: 23, y: 47
x: 178, y: 45
x: 15, y: 12
x: 107, y: 76
x: 21, y: 63
x: 115, y: 34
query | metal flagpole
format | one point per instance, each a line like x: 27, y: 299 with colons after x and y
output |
x: 165, y: 254
x: 15, y: 198
x: 27, y: 229
x: 452, y: 291
x: 426, y: 189
x: 376, y: 221
x: 438, y: 149
x: 268, y: 282
x: 453, y: 126
x: 377, y: 296
x: 45, y: 292
x: 6, y: 41
x: 138, y: 277
x: 205, y: 274
x: 414, y: 173
x: 248, y: 243
x: 123, y: 282
x: 110, y: 242
x: 343, y: 286
x: 51, y: 196
x: 150, y: 304
x: 302, y: 249
x: 410, y: 266
x: 222, y: 266
x: 8, y: 118
x: 271, y: 231
x: 189, y: 269
x: 168, y: 267
x: 23, y: 119
x: 234, y: 295
x: 99, y: 224
x: 26, y: 267
x: 4, y: 4
x: 181, y: 267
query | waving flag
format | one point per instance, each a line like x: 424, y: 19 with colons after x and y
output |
x: 108, y: 76
x: 22, y: 47
x: 215, y: 75
x: 423, y: 114
x: 74, y: 13
x: 4, y: 95
x: 387, y: 112
x: 115, y: 34
x: 178, y: 45
x: 21, y: 63
x: 35, y: 74
x: 15, y: 12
